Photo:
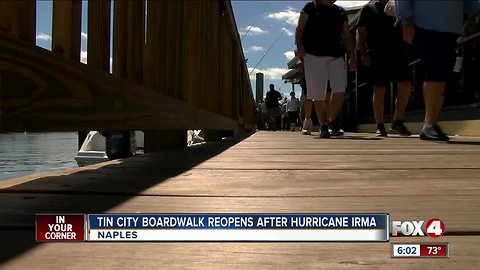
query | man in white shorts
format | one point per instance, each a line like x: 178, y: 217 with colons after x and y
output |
x: 320, y: 36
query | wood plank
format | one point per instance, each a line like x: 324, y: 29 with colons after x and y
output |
x: 129, y: 39
x: 135, y: 40
x: 461, y: 214
x: 120, y: 35
x: 66, y: 28
x: 162, y: 66
x: 18, y: 18
x: 67, y: 96
x: 440, y: 181
x: 376, y: 256
x: 99, y: 34
x: 254, y: 183
x: 308, y: 163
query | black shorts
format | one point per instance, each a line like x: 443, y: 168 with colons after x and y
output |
x: 437, y: 51
x: 389, y: 66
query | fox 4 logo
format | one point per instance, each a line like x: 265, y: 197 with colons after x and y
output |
x: 433, y: 228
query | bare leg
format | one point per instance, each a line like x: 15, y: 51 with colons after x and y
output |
x: 378, y: 103
x: 336, y: 102
x: 433, y: 97
x: 320, y: 110
x: 328, y: 97
x: 403, y: 94
x: 308, y: 108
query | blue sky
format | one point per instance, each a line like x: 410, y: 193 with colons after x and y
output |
x: 269, y: 21
x: 260, y: 24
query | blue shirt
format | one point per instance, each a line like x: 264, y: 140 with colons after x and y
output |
x: 442, y: 16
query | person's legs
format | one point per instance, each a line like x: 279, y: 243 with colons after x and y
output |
x: 278, y: 119
x: 293, y: 116
x: 401, y: 102
x: 320, y: 110
x: 379, y: 78
x: 296, y: 119
x: 285, y: 122
x: 308, y: 108
x: 433, y: 97
x: 269, y: 119
x: 321, y: 113
x: 336, y: 102
x: 378, y: 102
x: 307, y: 122
x: 402, y: 74
x: 316, y: 76
x: 437, y: 51
x: 328, y: 99
x: 337, y: 75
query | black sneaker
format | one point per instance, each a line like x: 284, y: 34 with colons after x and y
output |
x: 334, y: 129
x: 324, y: 134
x: 433, y: 133
x: 399, y: 128
x: 381, y: 132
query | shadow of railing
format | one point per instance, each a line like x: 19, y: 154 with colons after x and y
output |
x: 91, y: 190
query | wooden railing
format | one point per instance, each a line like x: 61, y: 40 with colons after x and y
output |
x: 177, y: 65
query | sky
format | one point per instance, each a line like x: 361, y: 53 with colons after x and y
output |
x: 260, y: 24
x: 266, y: 29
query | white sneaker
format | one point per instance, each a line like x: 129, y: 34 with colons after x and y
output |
x: 307, y: 127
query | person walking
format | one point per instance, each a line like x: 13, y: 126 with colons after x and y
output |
x: 273, y: 107
x: 432, y: 27
x: 293, y: 109
x: 285, y: 115
x: 382, y: 48
x: 321, y: 36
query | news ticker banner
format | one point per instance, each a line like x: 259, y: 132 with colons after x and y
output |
x: 420, y: 250
x: 213, y: 227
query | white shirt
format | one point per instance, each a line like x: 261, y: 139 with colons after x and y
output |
x: 293, y: 105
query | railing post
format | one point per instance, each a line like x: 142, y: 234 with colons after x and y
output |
x: 66, y: 28
x: 163, y: 65
x: 66, y: 35
x: 18, y: 18
x: 129, y: 39
x: 212, y: 32
x: 99, y: 34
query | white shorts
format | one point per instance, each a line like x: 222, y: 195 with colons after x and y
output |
x: 321, y: 69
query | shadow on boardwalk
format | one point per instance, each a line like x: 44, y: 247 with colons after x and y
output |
x: 94, y: 189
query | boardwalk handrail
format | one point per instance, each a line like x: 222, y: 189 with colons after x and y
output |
x: 169, y: 83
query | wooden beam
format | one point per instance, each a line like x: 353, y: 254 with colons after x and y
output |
x: 135, y: 40
x: 129, y: 39
x: 18, y: 18
x: 40, y: 91
x: 163, y: 64
x: 66, y: 29
x: 98, y: 42
x: 99, y: 34
x: 226, y: 89
x: 119, y: 65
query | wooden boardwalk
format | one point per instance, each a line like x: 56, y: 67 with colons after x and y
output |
x: 273, y: 172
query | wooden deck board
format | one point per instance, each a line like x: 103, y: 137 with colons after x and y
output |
x: 375, y: 256
x: 461, y: 213
x: 209, y: 182
x: 279, y: 172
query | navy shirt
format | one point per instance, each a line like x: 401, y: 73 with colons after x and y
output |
x: 322, y: 35
x: 272, y: 99
x: 382, y: 34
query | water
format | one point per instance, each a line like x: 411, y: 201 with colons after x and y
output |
x: 27, y: 153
